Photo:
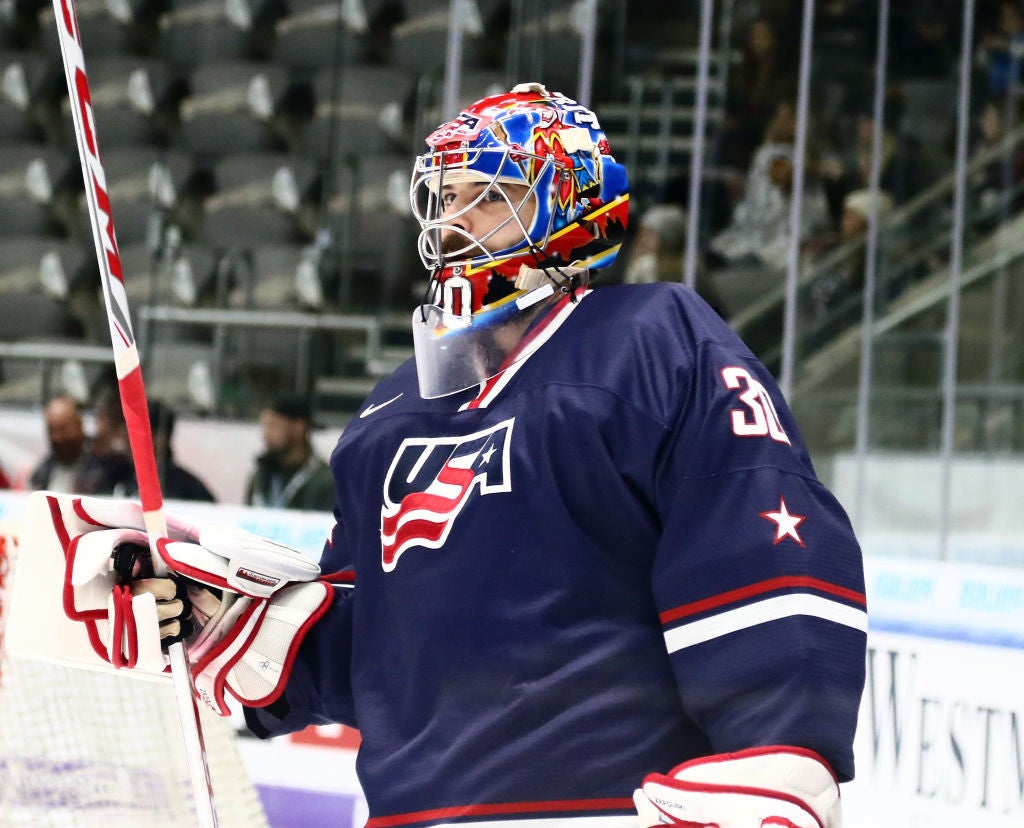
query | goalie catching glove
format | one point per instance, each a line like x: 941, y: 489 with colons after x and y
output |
x: 240, y: 603
x: 767, y: 787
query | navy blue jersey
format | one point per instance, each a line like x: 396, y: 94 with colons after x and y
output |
x: 613, y: 557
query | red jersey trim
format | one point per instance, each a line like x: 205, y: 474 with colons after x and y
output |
x: 503, y: 809
x: 736, y: 595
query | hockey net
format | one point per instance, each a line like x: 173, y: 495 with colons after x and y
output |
x: 83, y: 748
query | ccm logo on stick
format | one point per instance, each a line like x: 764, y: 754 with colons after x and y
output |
x: 244, y: 574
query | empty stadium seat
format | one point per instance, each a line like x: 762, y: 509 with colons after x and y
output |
x: 178, y: 371
x: 103, y: 28
x: 358, y: 110
x: 371, y: 184
x: 31, y: 177
x: 134, y: 101
x: 258, y: 199
x: 198, y: 31
x: 473, y: 85
x: 143, y: 183
x: 150, y: 275
x: 28, y: 263
x: 369, y: 218
x: 420, y: 42
x: 36, y: 278
x: 316, y: 34
x: 196, y: 274
x: 233, y: 106
x: 283, y: 276
x: 28, y: 101
x: 178, y: 273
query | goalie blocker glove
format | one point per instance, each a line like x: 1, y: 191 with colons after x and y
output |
x: 244, y: 643
x: 247, y: 604
x: 767, y: 787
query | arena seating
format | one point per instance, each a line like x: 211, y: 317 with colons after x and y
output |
x: 257, y: 153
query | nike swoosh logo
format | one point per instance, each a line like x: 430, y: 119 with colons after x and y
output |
x: 370, y: 409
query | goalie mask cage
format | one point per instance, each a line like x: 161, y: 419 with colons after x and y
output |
x: 84, y: 748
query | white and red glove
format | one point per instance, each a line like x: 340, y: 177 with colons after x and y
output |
x: 252, y: 603
x: 109, y: 582
x: 240, y: 603
x: 766, y: 787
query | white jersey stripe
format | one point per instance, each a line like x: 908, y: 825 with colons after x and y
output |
x: 771, y: 609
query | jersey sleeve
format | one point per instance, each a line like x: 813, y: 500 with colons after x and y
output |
x: 758, y: 577
x: 319, y: 690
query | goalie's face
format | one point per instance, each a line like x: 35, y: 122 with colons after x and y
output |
x: 480, y: 218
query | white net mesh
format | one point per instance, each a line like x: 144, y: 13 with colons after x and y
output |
x: 82, y: 748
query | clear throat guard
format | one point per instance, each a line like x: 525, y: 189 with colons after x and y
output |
x: 456, y: 352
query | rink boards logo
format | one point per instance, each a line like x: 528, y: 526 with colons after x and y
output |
x: 431, y: 480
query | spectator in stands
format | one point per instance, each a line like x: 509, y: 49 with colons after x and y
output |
x: 5, y: 483
x: 857, y: 208
x: 110, y: 434
x: 924, y: 39
x: 288, y: 474
x: 176, y: 483
x: 60, y: 470
x: 656, y: 254
x: 995, y: 186
x: 110, y: 445
x: 845, y: 32
x: 839, y: 289
x: 1000, y: 51
x: 905, y: 166
x: 657, y: 251
x: 760, y: 229
x: 765, y: 78
x: 73, y: 464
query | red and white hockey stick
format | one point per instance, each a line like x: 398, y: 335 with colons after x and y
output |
x: 129, y: 378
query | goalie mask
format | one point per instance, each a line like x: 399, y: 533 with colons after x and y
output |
x: 517, y: 198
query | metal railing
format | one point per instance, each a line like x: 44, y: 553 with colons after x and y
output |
x: 373, y: 356
x: 914, y: 242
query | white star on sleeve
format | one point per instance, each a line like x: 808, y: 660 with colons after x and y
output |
x: 785, y: 523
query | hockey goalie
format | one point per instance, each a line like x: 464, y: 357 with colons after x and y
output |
x: 582, y: 572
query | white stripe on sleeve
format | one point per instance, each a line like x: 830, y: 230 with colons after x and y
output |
x: 771, y: 609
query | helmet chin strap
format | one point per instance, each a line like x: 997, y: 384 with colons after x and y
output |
x: 563, y: 277
x: 433, y: 282
x: 566, y: 279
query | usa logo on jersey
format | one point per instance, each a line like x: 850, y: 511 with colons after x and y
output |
x: 430, y: 481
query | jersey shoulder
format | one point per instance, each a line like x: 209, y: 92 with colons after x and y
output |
x: 671, y: 315
x: 645, y: 342
x: 663, y: 300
